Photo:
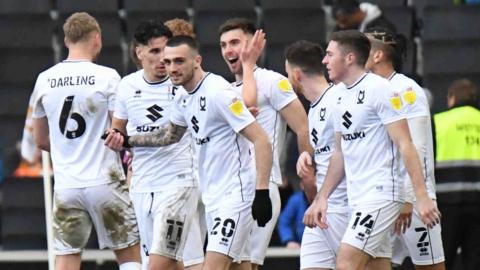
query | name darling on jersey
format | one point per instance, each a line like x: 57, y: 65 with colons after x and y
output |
x: 71, y: 81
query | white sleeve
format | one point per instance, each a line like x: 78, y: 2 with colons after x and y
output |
x: 121, y: 111
x: 419, y: 132
x: 111, y: 90
x: 415, y: 103
x: 230, y: 107
x: 388, y: 104
x: 28, y: 147
x: 36, y: 100
x: 177, y: 116
x: 281, y: 94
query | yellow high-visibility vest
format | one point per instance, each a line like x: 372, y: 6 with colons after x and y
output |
x: 457, y: 134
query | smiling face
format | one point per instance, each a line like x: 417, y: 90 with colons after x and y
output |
x: 335, y: 62
x: 181, y: 62
x: 231, y: 43
x: 151, y: 57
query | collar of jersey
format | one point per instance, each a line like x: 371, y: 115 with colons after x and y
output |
x: 76, y: 61
x: 392, y: 75
x: 330, y: 85
x: 240, y: 83
x: 154, y: 83
x: 199, y: 84
x: 358, y: 81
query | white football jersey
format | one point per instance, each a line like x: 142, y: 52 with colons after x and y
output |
x: 215, y: 114
x: 322, y: 139
x: 371, y: 159
x: 415, y: 104
x: 76, y: 97
x: 147, y: 107
x: 274, y: 92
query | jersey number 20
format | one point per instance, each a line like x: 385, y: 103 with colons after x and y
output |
x: 65, y: 115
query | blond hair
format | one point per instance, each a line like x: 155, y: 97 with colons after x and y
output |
x: 79, y: 25
x: 180, y: 27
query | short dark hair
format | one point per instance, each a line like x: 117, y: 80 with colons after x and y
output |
x: 355, y: 42
x: 393, y: 45
x: 244, y: 24
x: 306, y: 55
x: 183, y: 40
x: 344, y: 7
x: 464, y: 91
x: 149, y: 29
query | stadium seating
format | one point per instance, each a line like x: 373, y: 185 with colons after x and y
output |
x: 450, y: 56
x: 306, y: 20
x: 109, y: 20
x: 139, y: 10
x: 210, y: 14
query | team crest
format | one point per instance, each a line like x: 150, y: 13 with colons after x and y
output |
x: 322, y: 113
x: 236, y: 106
x: 396, y: 102
x: 410, y: 96
x: 360, y: 96
x: 284, y: 85
x: 203, y: 104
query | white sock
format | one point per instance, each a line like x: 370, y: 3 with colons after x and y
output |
x: 130, y: 266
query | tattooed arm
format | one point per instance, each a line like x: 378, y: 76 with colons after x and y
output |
x: 165, y: 135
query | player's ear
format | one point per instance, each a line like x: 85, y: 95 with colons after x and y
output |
x: 297, y: 74
x: 378, y: 56
x: 198, y: 60
x: 138, y: 52
x: 350, y: 58
x: 66, y: 41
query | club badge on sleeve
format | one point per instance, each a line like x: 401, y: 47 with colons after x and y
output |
x: 284, y: 85
x: 396, y: 102
x: 236, y: 106
x: 410, y: 96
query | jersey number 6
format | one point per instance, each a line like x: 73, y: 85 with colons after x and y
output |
x: 65, y: 115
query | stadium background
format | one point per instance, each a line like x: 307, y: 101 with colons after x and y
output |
x: 444, y: 45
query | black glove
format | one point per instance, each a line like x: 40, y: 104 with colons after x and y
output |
x: 125, y: 138
x: 262, y: 207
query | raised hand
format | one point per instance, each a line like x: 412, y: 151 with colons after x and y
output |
x: 252, y: 50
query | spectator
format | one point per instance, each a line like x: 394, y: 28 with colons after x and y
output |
x: 290, y: 223
x: 350, y: 14
x: 457, y: 135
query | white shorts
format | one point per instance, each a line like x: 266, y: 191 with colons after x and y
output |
x: 164, y: 219
x: 193, y: 251
x: 370, y: 226
x: 107, y: 207
x: 229, y: 229
x: 422, y: 244
x: 319, y: 247
x: 260, y: 236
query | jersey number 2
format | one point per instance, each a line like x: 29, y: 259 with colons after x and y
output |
x: 65, y: 115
